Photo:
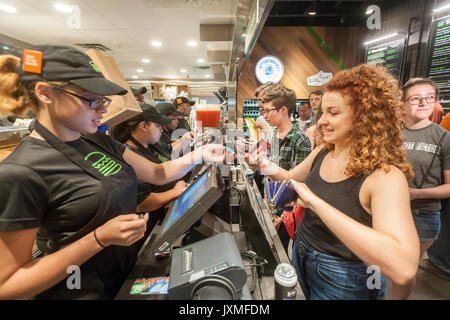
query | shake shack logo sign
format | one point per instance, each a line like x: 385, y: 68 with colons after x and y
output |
x: 105, y: 165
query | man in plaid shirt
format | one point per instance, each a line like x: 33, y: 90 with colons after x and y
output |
x: 278, y: 103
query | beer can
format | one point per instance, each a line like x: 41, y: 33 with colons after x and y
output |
x: 285, y: 282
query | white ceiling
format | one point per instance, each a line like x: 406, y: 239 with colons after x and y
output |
x: 128, y: 27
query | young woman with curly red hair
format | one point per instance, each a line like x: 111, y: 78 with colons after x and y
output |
x: 357, y: 225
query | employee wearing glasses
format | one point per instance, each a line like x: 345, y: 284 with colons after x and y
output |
x: 68, y: 189
x: 428, y: 149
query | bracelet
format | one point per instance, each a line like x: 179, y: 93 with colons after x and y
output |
x: 96, y: 239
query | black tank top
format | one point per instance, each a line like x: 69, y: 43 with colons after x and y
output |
x: 344, y: 196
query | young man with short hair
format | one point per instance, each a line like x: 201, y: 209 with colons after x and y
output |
x: 304, y: 115
x: 315, y: 99
x: 278, y: 103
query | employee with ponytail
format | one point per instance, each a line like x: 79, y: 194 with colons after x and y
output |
x: 68, y: 189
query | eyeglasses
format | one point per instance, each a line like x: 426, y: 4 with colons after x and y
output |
x: 415, y: 100
x: 94, y: 103
x: 264, y: 111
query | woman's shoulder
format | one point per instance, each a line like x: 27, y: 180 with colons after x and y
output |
x: 29, y: 151
x: 388, y: 176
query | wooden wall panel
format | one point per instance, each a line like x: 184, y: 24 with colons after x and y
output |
x: 302, y: 56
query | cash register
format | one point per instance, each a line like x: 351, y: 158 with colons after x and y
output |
x: 211, y: 267
x: 189, y: 208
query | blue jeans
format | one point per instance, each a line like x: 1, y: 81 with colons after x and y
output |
x: 428, y: 224
x: 324, y: 277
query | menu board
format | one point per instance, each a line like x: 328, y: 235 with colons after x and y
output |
x: 389, y: 55
x: 439, y: 59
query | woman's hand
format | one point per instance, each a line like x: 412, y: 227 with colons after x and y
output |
x: 189, y: 136
x: 123, y: 230
x: 214, y: 153
x: 179, y: 188
x: 305, y: 196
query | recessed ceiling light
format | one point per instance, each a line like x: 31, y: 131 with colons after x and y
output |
x: 156, y: 43
x: 183, y: 70
x: 63, y: 7
x: 192, y: 43
x: 200, y: 60
x: 207, y: 76
x: 140, y: 70
x: 7, y: 8
x: 134, y: 77
x: 313, y: 9
x: 146, y: 60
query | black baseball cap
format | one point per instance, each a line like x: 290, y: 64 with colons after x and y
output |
x: 179, y: 100
x: 150, y: 113
x: 56, y: 62
x: 167, y: 109
x: 141, y: 90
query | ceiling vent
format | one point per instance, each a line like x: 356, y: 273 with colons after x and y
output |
x: 96, y: 46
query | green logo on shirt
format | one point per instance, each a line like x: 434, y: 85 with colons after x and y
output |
x: 105, y: 165
x: 160, y: 157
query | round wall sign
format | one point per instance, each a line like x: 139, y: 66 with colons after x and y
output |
x: 268, y: 69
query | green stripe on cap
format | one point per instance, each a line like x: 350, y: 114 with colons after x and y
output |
x: 93, y: 65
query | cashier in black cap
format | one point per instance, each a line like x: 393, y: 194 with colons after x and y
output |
x: 138, y: 133
x: 139, y: 93
x: 68, y: 188
x: 183, y: 105
x: 170, y: 132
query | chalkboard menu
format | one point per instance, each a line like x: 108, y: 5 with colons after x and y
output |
x: 439, y: 59
x: 389, y: 55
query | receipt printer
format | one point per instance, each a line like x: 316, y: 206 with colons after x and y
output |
x: 208, y: 269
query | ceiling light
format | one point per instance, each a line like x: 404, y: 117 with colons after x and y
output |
x: 134, y: 77
x: 7, y: 8
x: 183, y: 70
x: 192, y: 43
x: 442, y: 8
x: 313, y: 9
x: 63, y: 7
x: 146, y: 60
x: 156, y: 43
x: 382, y: 38
x: 140, y: 70
x: 200, y: 60
x: 207, y: 76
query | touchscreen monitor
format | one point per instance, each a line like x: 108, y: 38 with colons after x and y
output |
x: 189, y: 207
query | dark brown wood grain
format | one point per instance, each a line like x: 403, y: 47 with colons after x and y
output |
x: 302, y: 56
